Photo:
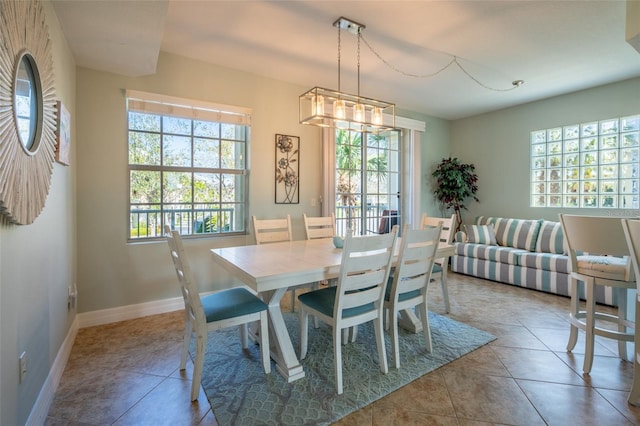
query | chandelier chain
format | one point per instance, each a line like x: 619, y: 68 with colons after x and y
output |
x: 339, y: 47
x: 359, y: 37
x: 515, y: 84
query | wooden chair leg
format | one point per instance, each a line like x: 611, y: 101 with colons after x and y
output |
x: 426, y: 328
x: 445, y: 288
x: 382, y: 351
x: 303, y: 319
x: 395, y: 345
x: 186, y: 341
x: 574, y: 308
x: 590, y: 327
x: 265, y: 351
x: 198, y: 363
x: 622, y: 318
x: 337, y: 358
x: 634, y: 395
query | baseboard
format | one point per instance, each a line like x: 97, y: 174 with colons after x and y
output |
x: 123, y: 313
x: 45, y: 397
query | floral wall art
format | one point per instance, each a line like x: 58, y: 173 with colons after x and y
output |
x: 287, y: 169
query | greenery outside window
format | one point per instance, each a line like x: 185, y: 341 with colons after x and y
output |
x: 187, y: 166
x: 589, y: 165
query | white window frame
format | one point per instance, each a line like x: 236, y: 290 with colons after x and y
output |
x: 196, y: 217
x: 589, y: 165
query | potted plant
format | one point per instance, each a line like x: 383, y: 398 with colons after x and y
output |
x: 455, y: 183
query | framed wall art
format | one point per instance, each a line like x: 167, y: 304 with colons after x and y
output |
x: 63, y: 135
x: 287, y: 169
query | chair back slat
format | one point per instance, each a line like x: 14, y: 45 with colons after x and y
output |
x: 320, y: 226
x: 272, y: 230
x: 366, y: 262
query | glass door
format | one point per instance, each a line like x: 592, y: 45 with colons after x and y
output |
x: 368, y: 182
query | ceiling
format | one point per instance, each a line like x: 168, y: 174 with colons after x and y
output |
x: 556, y: 47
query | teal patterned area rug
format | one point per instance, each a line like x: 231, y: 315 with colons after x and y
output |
x: 241, y: 394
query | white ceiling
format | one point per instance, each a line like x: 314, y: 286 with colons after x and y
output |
x: 556, y: 47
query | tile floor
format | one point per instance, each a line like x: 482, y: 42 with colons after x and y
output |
x: 126, y: 373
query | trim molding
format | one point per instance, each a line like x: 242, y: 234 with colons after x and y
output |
x: 123, y: 313
x: 45, y: 397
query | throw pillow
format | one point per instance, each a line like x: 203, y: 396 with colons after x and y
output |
x: 481, y: 234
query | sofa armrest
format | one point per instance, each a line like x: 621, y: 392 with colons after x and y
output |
x: 460, y: 237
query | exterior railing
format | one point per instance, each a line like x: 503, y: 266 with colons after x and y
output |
x: 351, y: 217
x: 146, y: 223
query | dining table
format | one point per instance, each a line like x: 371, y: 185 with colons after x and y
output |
x: 271, y: 269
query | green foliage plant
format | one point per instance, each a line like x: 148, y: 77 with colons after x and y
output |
x: 455, y: 183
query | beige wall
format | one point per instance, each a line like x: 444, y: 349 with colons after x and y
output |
x: 37, y: 264
x: 112, y: 272
x: 498, y: 144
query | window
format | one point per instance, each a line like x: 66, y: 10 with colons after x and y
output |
x: 187, y: 166
x: 590, y: 165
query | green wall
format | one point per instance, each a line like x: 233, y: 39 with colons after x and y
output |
x: 37, y: 265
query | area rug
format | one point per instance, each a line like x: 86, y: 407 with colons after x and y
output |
x: 241, y: 394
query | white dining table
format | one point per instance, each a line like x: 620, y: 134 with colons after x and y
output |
x: 271, y: 269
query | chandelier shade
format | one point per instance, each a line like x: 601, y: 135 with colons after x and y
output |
x: 336, y: 109
x: 330, y: 108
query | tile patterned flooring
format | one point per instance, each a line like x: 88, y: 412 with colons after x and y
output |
x: 126, y: 373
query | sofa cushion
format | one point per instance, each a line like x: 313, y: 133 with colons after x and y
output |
x: 517, y: 233
x: 550, y: 238
x: 481, y: 234
x: 545, y: 261
x: 507, y: 255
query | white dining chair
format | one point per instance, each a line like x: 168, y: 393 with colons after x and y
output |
x: 222, y: 309
x: 599, y: 258
x: 407, y: 288
x: 356, y: 299
x: 319, y: 226
x: 631, y: 228
x: 441, y: 265
x: 278, y: 230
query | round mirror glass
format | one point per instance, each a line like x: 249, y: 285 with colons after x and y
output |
x: 26, y: 99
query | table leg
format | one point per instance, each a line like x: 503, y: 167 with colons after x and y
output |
x: 282, y: 351
x: 410, y: 321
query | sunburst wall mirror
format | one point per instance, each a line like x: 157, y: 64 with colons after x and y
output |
x: 27, y: 111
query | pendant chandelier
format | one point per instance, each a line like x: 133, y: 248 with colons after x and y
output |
x: 336, y: 109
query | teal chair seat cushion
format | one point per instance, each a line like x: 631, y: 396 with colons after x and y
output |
x: 437, y: 268
x: 323, y: 301
x: 403, y: 296
x: 231, y: 303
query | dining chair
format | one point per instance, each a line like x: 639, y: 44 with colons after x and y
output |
x: 600, y: 259
x: 441, y: 265
x: 407, y: 288
x: 222, y: 309
x: 269, y: 231
x: 356, y: 299
x: 272, y: 230
x: 631, y: 228
x: 319, y: 226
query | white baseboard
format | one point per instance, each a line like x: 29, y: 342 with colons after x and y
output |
x: 123, y: 313
x: 45, y: 397
x: 88, y: 319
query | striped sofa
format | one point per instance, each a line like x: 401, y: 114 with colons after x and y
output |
x: 525, y: 253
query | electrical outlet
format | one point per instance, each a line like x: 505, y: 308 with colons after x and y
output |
x: 23, y: 366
